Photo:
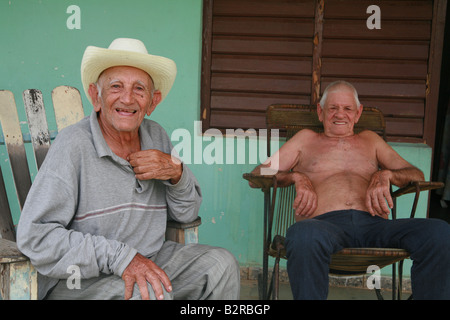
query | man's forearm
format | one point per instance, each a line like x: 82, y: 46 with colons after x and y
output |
x: 287, y: 178
x: 284, y: 178
x: 401, y: 177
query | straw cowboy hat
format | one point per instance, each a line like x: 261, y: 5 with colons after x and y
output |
x: 127, y: 52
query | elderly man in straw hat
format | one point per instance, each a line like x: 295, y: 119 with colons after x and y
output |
x: 100, y: 201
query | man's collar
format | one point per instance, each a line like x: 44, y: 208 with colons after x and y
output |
x: 103, y: 148
x: 146, y: 139
x: 97, y: 136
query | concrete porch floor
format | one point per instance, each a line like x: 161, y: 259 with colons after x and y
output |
x: 249, y: 291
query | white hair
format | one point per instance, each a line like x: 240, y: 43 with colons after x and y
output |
x: 337, y: 84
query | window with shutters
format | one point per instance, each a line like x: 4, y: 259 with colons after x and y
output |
x: 262, y: 52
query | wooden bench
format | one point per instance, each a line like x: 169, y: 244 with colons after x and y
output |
x: 18, y: 278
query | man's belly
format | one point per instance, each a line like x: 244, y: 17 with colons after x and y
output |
x: 339, y: 191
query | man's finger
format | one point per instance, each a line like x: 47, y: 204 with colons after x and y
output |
x: 158, y: 279
x: 157, y: 288
x: 297, y: 202
x: 129, y: 285
x: 313, y: 206
x: 389, y: 200
x: 166, y: 281
x: 369, y: 204
x: 382, y: 205
x: 143, y: 289
x: 308, y: 205
x: 376, y: 205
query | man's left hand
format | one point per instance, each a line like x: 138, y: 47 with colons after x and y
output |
x: 378, y: 196
x: 142, y: 271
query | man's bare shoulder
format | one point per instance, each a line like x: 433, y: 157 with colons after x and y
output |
x: 374, y: 141
x: 371, y: 136
x: 305, y: 134
x: 301, y: 139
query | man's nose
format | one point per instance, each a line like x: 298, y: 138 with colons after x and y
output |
x: 339, y: 113
x: 127, y: 96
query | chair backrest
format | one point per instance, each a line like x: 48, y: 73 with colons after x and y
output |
x: 68, y: 109
x: 291, y: 118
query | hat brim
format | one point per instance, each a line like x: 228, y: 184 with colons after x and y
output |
x: 95, y: 60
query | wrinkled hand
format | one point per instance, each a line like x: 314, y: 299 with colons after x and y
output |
x: 142, y: 270
x: 305, y: 202
x: 155, y: 164
x: 378, y: 195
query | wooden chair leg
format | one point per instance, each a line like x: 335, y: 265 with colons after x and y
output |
x: 18, y: 278
x: 276, y: 278
x: 378, y: 293
x: 394, y: 281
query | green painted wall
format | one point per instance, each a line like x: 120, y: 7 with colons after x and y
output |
x: 39, y: 51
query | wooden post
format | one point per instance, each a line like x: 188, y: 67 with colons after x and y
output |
x: 317, y: 53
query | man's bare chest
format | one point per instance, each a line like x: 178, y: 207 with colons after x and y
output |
x: 338, y: 155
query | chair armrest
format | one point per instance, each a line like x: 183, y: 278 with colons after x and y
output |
x: 183, y: 233
x: 9, y: 252
x: 263, y: 182
x: 179, y: 225
x: 415, y: 186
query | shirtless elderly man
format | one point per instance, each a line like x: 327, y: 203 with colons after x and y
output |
x: 342, y: 180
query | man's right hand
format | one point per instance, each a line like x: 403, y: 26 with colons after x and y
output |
x: 142, y: 270
x: 305, y: 202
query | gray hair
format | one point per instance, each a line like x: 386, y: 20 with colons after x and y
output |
x: 336, y: 84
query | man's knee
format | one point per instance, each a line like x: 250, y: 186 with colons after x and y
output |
x: 223, y: 274
x: 223, y: 260
x: 438, y: 233
x: 305, y: 234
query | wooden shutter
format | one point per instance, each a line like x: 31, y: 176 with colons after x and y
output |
x: 260, y: 52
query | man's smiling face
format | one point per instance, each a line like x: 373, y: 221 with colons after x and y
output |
x: 125, y: 98
x: 340, y: 112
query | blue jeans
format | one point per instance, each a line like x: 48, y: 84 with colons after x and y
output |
x: 310, y: 244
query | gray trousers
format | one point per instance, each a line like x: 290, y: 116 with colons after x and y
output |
x: 197, y: 272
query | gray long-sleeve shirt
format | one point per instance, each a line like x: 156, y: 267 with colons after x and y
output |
x: 86, y: 208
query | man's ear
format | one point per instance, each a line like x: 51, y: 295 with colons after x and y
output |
x: 320, y: 112
x: 359, y: 112
x: 93, y: 93
x: 155, y: 101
